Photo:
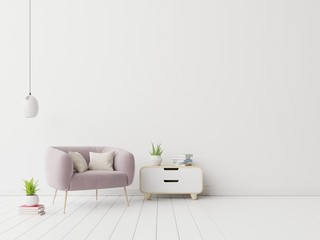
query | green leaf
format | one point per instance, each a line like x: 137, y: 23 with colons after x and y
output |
x: 30, y: 186
x: 156, y: 150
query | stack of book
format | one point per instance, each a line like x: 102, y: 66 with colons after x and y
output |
x: 182, y: 159
x: 34, y: 210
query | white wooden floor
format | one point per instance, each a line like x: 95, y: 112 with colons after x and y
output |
x: 171, y: 218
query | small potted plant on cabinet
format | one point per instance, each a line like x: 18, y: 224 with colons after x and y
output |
x: 30, y: 186
x: 156, y: 152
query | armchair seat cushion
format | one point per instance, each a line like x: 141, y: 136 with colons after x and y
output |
x: 97, y: 179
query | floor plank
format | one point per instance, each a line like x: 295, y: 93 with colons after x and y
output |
x: 33, y: 221
x: 166, y: 225
x: 273, y: 219
x: 218, y: 218
x: 83, y: 228
x: 230, y: 228
x: 186, y: 225
x: 207, y: 225
x: 147, y: 224
x: 306, y: 220
x: 267, y: 216
x: 61, y: 229
x: 105, y: 227
x: 16, y: 220
x: 4, y: 200
x: 9, y: 206
x: 234, y: 218
x: 127, y: 224
x: 279, y: 213
x: 55, y: 219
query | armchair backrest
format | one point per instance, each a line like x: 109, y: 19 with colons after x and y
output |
x: 84, y: 151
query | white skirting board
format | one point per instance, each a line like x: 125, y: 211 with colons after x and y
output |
x: 112, y: 191
x: 207, y: 191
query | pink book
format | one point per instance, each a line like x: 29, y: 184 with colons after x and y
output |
x: 32, y: 207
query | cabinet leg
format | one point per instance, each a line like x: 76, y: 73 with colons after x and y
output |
x: 194, y: 196
x: 147, y: 196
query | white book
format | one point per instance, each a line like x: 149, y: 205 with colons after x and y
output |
x: 33, y: 213
x: 183, y: 156
x: 182, y: 160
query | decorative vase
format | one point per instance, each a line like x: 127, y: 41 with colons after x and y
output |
x: 31, y: 200
x: 155, y: 160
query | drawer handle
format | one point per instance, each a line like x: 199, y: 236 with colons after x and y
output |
x: 171, y: 180
x: 170, y: 169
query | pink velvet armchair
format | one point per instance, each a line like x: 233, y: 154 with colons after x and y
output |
x: 61, y: 176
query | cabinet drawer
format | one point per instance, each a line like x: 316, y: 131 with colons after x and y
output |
x: 171, y: 180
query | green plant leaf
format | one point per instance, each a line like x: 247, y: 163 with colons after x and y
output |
x: 153, y: 150
x: 157, y: 151
x: 30, y: 186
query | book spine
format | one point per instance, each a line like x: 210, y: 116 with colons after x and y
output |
x: 33, y: 207
x: 186, y: 160
x: 183, y: 156
x: 36, y: 213
x: 23, y: 211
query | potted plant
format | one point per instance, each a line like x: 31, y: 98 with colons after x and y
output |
x: 30, y: 186
x: 156, y: 152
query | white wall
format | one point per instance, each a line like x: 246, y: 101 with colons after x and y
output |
x: 234, y: 82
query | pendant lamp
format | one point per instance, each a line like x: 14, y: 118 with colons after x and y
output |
x: 30, y: 103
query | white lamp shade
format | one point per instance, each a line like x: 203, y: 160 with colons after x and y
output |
x: 30, y: 106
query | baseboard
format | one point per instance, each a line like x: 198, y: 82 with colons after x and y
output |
x: 111, y: 191
x: 50, y: 192
x: 207, y: 191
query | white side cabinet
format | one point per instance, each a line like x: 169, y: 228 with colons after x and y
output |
x: 171, y: 180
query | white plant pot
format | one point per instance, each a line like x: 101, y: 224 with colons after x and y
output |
x: 31, y: 200
x: 155, y: 160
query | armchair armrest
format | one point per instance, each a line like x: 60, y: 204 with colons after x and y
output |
x: 124, y: 162
x: 59, y: 169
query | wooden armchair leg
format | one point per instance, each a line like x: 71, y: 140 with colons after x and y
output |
x: 125, y: 191
x: 65, y: 202
x: 55, y: 194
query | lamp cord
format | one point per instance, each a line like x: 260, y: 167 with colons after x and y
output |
x: 29, y: 47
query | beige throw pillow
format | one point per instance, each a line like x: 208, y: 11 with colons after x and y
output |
x: 79, y: 163
x: 101, y: 161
